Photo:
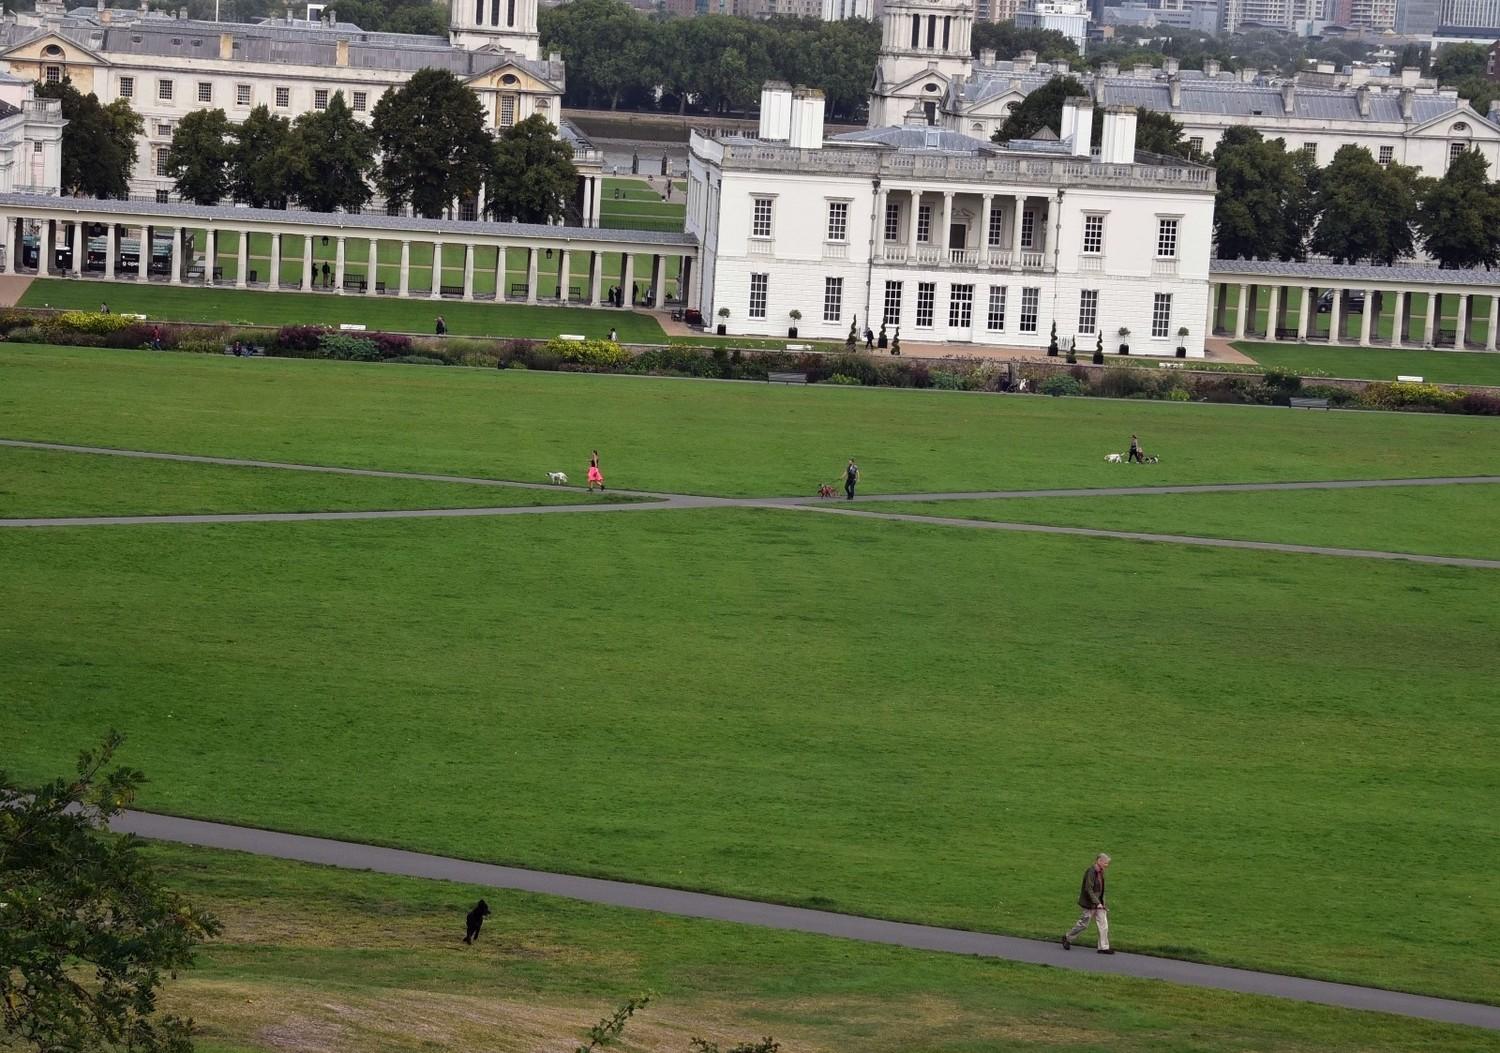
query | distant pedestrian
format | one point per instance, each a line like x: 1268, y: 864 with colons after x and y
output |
x: 613, y: 336
x: 851, y: 477
x: 104, y: 308
x: 1095, y: 909
x: 1136, y: 453
x: 869, y: 339
x: 595, y: 475
x: 440, y: 326
x: 156, y: 338
x: 327, y: 273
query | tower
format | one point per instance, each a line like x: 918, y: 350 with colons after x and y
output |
x: 509, y: 24
x: 924, y: 48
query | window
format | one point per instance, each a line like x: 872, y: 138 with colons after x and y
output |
x: 1030, y: 297
x: 1093, y: 234
x: 468, y: 210
x: 758, y: 285
x: 1161, y: 314
x: 205, y: 91
x: 760, y: 218
x: 838, y: 221
x: 361, y: 101
x: 162, y: 197
x: 1311, y: 150
x: 924, y: 223
x: 164, y: 90
x: 164, y: 131
x: 1166, y: 238
x: 54, y: 74
x: 1088, y: 311
x: 242, y: 95
x: 926, y: 293
x: 507, y: 110
x: 393, y: 208
x: 995, y: 320
x: 1387, y: 154
x: 892, y: 221
x: 833, y: 299
x: 1454, y: 149
x: 320, y: 98
x: 127, y: 87
x: 1028, y: 229
x: 161, y: 162
x: 283, y: 96
x: 892, y: 315
x: 960, y: 306
x: 1196, y: 143
x: 992, y: 236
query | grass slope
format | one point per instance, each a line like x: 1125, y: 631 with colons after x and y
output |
x: 318, y: 958
x: 725, y: 438
x: 910, y: 721
x: 1441, y: 521
x: 1371, y: 363
x: 50, y: 483
x: 248, y: 307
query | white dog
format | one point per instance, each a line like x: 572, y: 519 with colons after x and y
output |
x: 1113, y: 458
x: 559, y: 478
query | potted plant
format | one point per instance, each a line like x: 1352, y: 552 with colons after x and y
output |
x: 1182, y: 342
x: 723, y: 313
x: 1124, y: 340
x: 1099, y: 348
x: 796, y: 317
x: 883, y: 341
x: 851, y: 342
x: 896, y: 342
x: 1073, y: 351
x: 1052, y: 343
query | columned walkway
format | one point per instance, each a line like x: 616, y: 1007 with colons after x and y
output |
x: 367, y: 254
x: 1354, y: 305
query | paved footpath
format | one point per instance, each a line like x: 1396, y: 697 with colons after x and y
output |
x: 799, y: 919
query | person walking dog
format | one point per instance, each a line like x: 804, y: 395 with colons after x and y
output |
x: 1095, y: 909
x: 595, y: 475
x: 1136, y: 453
x: 851, y: 476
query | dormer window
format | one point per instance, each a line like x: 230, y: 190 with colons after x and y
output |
x: 52, y: 51
x: 934, y: 138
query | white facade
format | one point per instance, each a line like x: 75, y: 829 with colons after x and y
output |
x: 948, y: 239
x: 924, y: 50
x: 839, y: 10
x: 30, y: 140
x: 1067, y: 17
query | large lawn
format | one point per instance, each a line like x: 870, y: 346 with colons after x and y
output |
x: 680, y: 435
x: 1373, y: 363
x: 890, y: 718
x: 53, y: 483
x: 1437, y: 520
x: 249, y: 307
x: 373, y: 963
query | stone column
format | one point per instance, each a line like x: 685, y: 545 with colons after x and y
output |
x: 596, y: 278
x: 436, y: 292
x: 1398, y: 321
x: 80, y: 250
x: 627, y: 280
x: 468, y: 270
x: 1213, y: 310
x: 1242, y: 312
x: 1494, y: 326
x: 1017, y: 212
x: 598, y: 198
x: 1303, y: 308
x: 686, y: 273
x: 658, y: 281
x: 1461, y: 327
x: 174, y: 271
x: 372, y: 266
x: 564, y: 274
x: 501, y: 275
x: 111, y: 250
x: 1434, y: 309
x: 405, y: 287
x: 210, y: 254
x: 44, y: 248
x: 986, y: 211
x: 945, y: 238
x: 273, y: 280
x: 1273, y: 308
x: 338, y: 265
x: 532, y: 252
x: 1049, y: 233
x: 911, y: 223
x: 7, y: 257
x: 242, y: 261
x: 1364, y: 318
x: 307, y: 263
x: 1336, y: 317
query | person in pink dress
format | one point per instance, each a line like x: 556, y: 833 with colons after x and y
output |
x: 595, y: 476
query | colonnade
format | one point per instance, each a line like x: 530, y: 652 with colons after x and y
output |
x: 1007, y: 251
x: 1414, y: 322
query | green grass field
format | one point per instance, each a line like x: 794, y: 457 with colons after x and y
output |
x: 1436, y: 520
x: 675, y: 435
x: 1373, y: 363
x: 52, y: 483
x: 311, y: 954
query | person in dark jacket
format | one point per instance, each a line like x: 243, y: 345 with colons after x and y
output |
x: 1095, y: 909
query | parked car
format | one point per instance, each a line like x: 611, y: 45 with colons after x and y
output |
x: 1354, y: 302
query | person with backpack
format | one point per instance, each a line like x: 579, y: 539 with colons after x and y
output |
x: 851, y: 476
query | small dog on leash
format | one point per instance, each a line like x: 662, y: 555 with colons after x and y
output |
x: 1114, y: 458
x: 1151, y: 460
x: 557, y: 478
x: 824, y: 490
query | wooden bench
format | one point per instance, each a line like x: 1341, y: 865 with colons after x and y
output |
x: 786, y: 378
x: 1409, y: 380
x: 356, y: 283
x: 799, y: 347
x: 1301, y: 403
x: 450, y: 290
x: 517, y: 289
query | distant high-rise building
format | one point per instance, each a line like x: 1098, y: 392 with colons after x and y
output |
x: 838, y: 10
x: 1472, y: 14
x: 995, y: 10
x: 1418, y: 17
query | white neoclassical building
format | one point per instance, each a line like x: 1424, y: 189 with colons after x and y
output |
x: 949, y: 238
x: 30, y: 139
x: 168, y: 67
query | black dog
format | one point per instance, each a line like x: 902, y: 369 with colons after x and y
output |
x: 475, y: 919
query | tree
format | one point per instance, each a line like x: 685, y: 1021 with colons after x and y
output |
x: 1457, y: 61
x: 263, y: 169
x: 86, y: 928
x: 532, y: 178
x: 98, y: 143
x: 198, y: 159
x: 433, y: 143
x: 1260, y: 210
x: 333, y: 154
x: 1041, y: 109
x: 1365, y: 212
x: 1459, y: 215
x: 1478, y: 91
x: 1008, y: 40
x: 1158, y: 133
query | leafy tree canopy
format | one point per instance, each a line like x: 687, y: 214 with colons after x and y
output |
x: 1008, y: 41
x: 1459, y: 216
x: 333, y: 154
x: 1365, y: 211
x: 1458, y: 61
x: 263, y: 170
x: 433, y: 142
x: 198, y: 159
x: 1041, y: 109
x: 1158, y: 133
x: 98, y: 143
x: 533, y: 176
x: 1263, y: 196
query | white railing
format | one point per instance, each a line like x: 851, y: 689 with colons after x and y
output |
x: 890, y: 253
x: 963, y: 257
x: 835, y: 250
x: 1091, y: 264
x: 1163, y: 268
x: 1033, y: 261
x: 761, y: 247
x: 1000, y: 258
x: 929, y: 254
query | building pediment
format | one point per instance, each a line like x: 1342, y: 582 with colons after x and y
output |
x: 994, y: 106
x: 53, y: 47
x: 512, y: 76
x: 916, y: 85
x: 1444, y: 126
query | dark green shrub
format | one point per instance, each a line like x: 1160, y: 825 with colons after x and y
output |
x: 1122, y: 382
x: 1061, y: 384
x: 347, y: 348
x: 1335, y: 395
x: 418, y: 360
x: 947, y: 380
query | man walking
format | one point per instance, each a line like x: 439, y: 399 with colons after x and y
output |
x: 1136, y: 453
x: 1091, y: 899
x: 851, y: 476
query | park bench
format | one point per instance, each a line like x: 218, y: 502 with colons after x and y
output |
x: 450, y: 290
x: 1409, y: 380
x: 351, y: 327
x: 517, y: 289
x: 355, y: 282
x: 799, y: 347
x: 572, y: 338
x: 1304, y: 403
x: 786, y: 378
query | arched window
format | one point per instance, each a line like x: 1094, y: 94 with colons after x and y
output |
x: 52, y: 51
x: 1460, y: 126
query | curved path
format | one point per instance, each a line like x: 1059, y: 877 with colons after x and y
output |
x: 798, y: 919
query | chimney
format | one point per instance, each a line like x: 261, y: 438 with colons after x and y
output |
x: 1078, y: 125
x: 341, y: 52
x: 1210, y: 68
x: 807, y: 119
x: 775, y: 111
x: 1142, y: 71
x: 1408, y: 103
x: 554, y: 57
x: 916, y: 117
x: 1494, y: 113
x: 1025, y: 60
x: 1170, y: 66
x: 986, y: 56
x: 1118, y: 144
x: 1410, y: 75
x: 1059, y: 67
x: 1325, y: 67
x: 1362, y: 99
x: 1288, y: 97
x: 226, y: 47
x: 1109, y: 69
x: 182, y: 12
x: 1174, y: 91
x: 1248, y: 75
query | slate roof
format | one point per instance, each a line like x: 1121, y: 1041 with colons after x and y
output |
x: 1355, y: 272
x: 989, y: 82
x: 7, y: 110
x: 1248, y: 100
x: 363, y: 224
x: 919, y: 139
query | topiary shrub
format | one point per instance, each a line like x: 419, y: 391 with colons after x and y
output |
x: 1061, y: 384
